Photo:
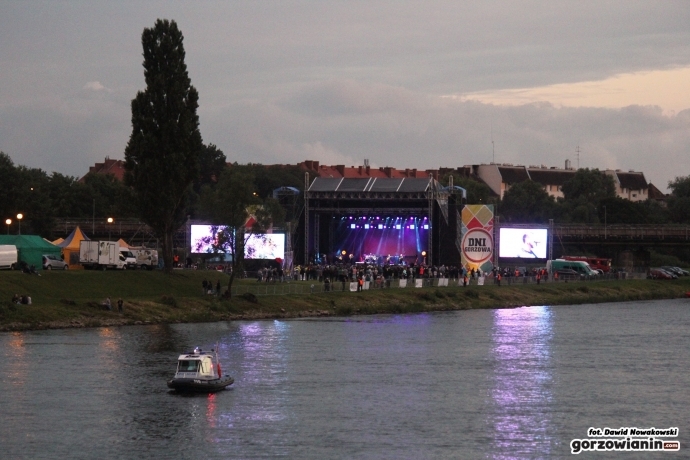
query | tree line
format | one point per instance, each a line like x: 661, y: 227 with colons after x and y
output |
x: 589, y: 197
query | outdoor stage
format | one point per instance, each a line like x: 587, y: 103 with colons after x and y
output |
x: 380, y: 220
x: 380, y: 240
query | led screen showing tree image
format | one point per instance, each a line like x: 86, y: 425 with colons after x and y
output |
x: 260, y: 246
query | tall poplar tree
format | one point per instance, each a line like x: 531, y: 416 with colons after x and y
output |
x: 162, y: 156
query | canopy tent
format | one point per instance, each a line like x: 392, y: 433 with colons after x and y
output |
x: 70, y: 247
x: 123, y: 243
x: 58, y: 241
x: 73, y: 240
x: 31, y: 248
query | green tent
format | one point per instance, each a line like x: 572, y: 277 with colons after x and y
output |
x: 31, y: 248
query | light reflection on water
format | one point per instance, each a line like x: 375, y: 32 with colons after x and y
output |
x: 522, y: 377
x: 517, y: 383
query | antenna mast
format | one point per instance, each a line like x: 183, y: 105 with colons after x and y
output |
x: 493, y: 151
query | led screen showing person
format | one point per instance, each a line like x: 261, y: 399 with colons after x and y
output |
x: 526, y: 243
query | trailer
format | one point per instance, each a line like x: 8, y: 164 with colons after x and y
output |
x: 8, y: 256
x: 145, y: 258
x: 101, y: 255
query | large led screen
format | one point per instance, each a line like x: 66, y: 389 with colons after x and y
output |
x: 259, y: 246
x: 524, y: 243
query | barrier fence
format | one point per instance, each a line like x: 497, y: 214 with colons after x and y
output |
x: 291, y: 286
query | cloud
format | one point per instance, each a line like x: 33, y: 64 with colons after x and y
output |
x: 669, y: 89
x: 96, y: 86
x: 340, y: 81
x: 345, y: 122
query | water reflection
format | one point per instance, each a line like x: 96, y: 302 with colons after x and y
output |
x: 15, y: 359
x: 521, y: 395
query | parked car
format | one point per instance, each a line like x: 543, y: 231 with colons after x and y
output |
x: 659, y: 274
x: 682, y: 272
x: 51, y: 262
x: 672, y: 270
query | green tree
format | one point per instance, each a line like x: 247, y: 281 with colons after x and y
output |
x: 162, y: 156
x: 589, y: 185
x: 679, y: 201
x: 9, y: 178
x: 477, y: 192
x: 582, y: 196
x: 617, y: 210
x: 526, y: 202
x: 239, y: 212
x: 680, y: 187
x: 212, y: 162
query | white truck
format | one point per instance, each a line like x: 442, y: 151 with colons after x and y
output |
x: 8, y: 256
x: 145, y: 258
x: 101, y: 255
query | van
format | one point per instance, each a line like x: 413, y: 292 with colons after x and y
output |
x: 128, y: 258
x: 8, y: 256
x: 582, y: 268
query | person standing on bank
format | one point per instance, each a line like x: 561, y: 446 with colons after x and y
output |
x: 119, y: 305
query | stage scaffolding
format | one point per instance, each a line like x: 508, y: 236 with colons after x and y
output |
x: 365, y: 197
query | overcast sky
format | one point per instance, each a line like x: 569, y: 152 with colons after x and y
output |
x: 405, y: 84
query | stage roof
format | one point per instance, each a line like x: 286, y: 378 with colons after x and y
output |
x: 404, y: 185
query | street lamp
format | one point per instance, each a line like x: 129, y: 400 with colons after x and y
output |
x: 20, y: 216
x: 8, y: 222
x: 110, y: 221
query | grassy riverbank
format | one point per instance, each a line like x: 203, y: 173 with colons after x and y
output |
x: 72, y: 299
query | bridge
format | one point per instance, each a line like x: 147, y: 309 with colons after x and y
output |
x: 136, y: 232
x: 652, y: 235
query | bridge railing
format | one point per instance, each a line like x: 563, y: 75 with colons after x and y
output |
x: 621, y: 231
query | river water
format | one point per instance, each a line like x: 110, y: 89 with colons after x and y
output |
x: 495, y: 384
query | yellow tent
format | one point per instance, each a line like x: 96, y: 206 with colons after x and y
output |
x: 58, y: 241
x: 123, y: 243
x: 70, y: 248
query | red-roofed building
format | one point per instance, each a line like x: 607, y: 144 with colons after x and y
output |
x: 630, y: 185
x: 109, y: 166
x: 365, y: 171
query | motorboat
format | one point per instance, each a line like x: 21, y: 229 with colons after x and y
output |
x: 199, y: 371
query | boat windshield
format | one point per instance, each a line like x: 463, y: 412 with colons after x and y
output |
x: 188, y: 365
